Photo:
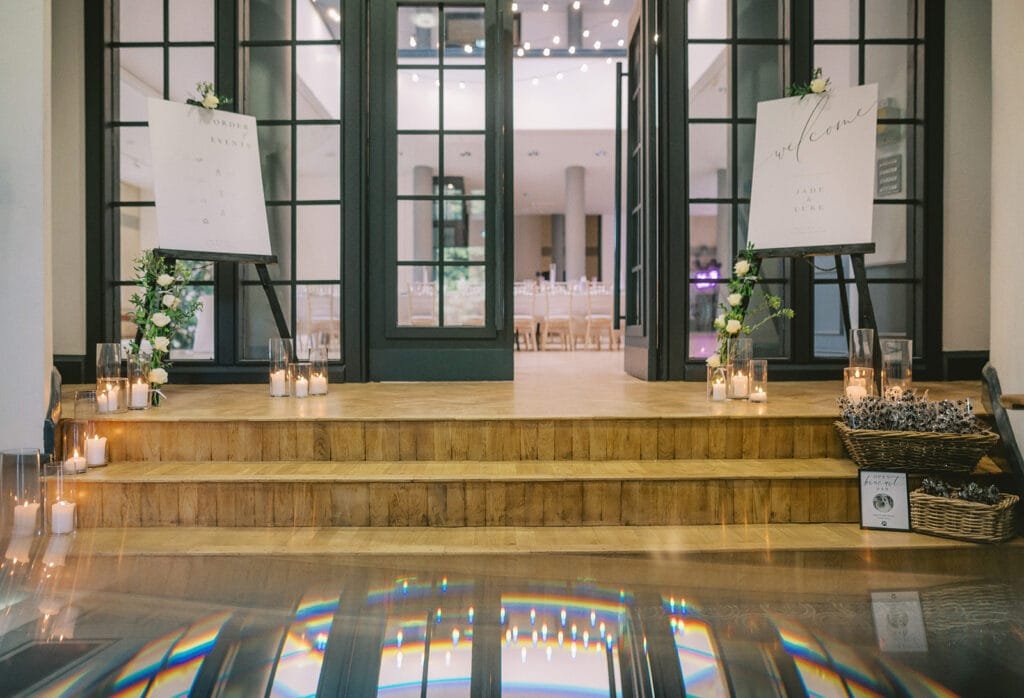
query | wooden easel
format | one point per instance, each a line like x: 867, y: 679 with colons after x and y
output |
x: 259, y: 261
x: 866, y: 311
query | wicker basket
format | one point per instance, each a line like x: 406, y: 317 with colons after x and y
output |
x: 916, y: 451
x: 963, y: 520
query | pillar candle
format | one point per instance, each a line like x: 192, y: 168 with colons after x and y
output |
x: 101, y: 403
x: 26, y: 516
x: 277, y: 384
x: 96, y: 451
x: 62, y: 517
x: 739, y: 385
x: 140, y: 395
x: 318, y: 384
x: 301, y: 387
x: 76, y: 464
x: 718, y: 390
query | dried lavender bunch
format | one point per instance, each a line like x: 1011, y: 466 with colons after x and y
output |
x: 971, y: 492
x: 910, y: 413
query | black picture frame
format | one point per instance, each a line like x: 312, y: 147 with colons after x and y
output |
x: 892, y: 497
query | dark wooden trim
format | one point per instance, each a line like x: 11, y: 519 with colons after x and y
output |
x: 963, y: 365
x: 95, y: 75
x: 934, y: 86
x: 72, y: 368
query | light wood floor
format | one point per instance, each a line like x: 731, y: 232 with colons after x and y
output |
x: 548, y: 385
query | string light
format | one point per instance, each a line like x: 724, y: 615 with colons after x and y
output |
x: 597, y: 45
x: 412, y: 42
x: 615, y: 22
x: 515, y: 7
x: 586, y: 33
x: 556, y: 39
x: 576, y: 4
x: 546, y: 51
x: 572, y: 50
x: 520, y: 52
x: 544, y: 7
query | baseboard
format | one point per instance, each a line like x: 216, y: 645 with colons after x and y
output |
x: 963, y: 365
x: 71, y: 367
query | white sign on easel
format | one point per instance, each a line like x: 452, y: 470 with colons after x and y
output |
x: 207, y: 180
x: 814, y: 170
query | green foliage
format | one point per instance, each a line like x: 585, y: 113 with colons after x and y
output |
x: 808, y: 88
x: 737, y: 317
x: 165, y: 296
x: 202, y: 90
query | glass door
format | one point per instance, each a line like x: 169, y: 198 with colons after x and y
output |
x: 439, y: 199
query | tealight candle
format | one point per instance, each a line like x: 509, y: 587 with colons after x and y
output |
x: 96, y: 451
x: 76, y: 464
x: 759, y: 395
x: 856, y: 392
x: 26, y: 516
x: 62, y: 517
x: 301, y: 387
x: 139, y: 395
x: 278, y: 383
x: 318, y: 384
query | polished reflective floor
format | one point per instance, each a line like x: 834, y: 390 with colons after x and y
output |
x: 920, y: 622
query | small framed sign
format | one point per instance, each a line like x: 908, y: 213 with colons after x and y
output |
x: 884, y: 500
x: 899, y: 621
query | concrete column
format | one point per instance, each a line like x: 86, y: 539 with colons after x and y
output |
x: 423, y: 213
x: 26, y: 308
x: 575, y: 224
x: 1007, y: 322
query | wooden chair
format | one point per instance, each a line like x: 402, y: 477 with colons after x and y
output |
x: 557, y: 317
x: 992, y: 394
x: 523, y: 318
x: 600, y: 308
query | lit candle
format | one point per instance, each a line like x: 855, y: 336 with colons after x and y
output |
x: 19, y: 549
x: 26, y: 516
x: 277, y: 384
x: 76, y: 464
x: 102, y: 403
x: 739, y: 385
x: 62, y: 517
x: 759, y: 395
x: 859, y: 379
x: 301, y: 387
x: 718, y: 389
x: 856, y: 393
x: 96, y: 451
x: 140, y: 395
x: 318, y: 384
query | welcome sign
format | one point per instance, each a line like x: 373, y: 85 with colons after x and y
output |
x: 814, y: 170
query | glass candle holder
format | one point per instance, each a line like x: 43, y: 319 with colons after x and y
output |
x: 138, y: 382
x: 20, y: 481
x: 897, y: 367
x: 717, y: 379
x: 301, y: 373
x: 112, y: 396
x: 758, y: 380
x: 62, y: 515
x: 318, y: 367
x: 74, y: 435
x: 741, y: 351
x: 280, y: 358
x: 862, y: 348
x: 858, y: 382
x: 108, y: 361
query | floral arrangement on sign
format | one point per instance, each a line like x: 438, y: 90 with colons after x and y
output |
x: 737, y: 317
x: 162, y: 309
x: 910, y: 412
x: 816, y: 86
x: 970, y: 492
x: 206, y: 97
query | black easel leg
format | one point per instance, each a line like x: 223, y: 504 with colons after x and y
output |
x: 844, y: 297
x: 275, y: 303
x: 867, y: 312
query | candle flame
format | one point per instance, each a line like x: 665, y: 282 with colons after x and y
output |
x: 76, y: 454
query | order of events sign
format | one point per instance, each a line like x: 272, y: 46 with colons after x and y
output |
x: 814, y: 170
x: 207, y: 181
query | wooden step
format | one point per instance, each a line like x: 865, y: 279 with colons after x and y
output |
x: 445, y: 494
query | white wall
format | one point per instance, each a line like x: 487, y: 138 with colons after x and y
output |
x: 25, y: 243
x: 68, y: 123
x: 1007, y: 254
x: 531, y: 234
x: 967, y: 168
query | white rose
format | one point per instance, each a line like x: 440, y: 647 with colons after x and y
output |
x: 210, y: 101
x: 818, y: 85
x: 735, y: 299
x: 719, y: 322
x: 741, y: 268
x: 160, y: 319
x: 161, y: 343
x: 733, y: 326
x: 714, y: 361
x: 165, y: 280
x: 158, y: 376
x: 169, y: 300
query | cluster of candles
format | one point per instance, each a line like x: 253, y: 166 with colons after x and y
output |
x: 297, y: 378
x: 744, y: 381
